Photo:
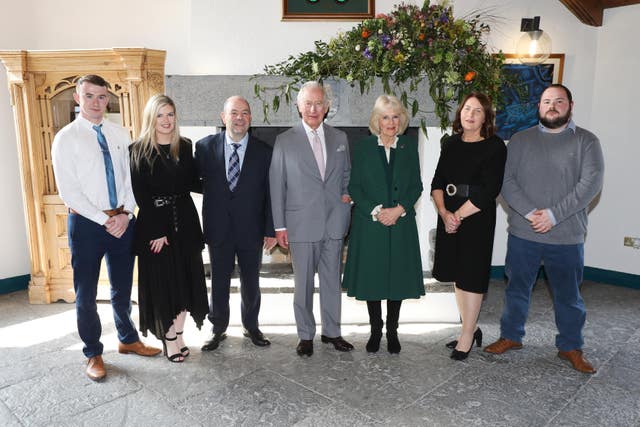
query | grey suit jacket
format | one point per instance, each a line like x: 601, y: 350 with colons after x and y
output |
x: 308, y: 207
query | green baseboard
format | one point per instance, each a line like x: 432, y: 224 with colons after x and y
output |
x: 12, y: 284
x: 609, y: 277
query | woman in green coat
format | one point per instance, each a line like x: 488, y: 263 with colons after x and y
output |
x: 383, y: 261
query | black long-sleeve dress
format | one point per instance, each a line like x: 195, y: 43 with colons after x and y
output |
x: 465, y: 257
x: 173, y: 279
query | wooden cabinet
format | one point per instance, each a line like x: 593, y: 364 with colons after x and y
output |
x: 40, y: 85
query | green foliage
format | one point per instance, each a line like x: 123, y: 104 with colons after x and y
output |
x: 405, y: 48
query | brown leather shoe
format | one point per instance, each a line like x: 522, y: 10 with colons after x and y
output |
x: 138, y: 348
x: 95, y: 368
x: 577, y: 360
x: 502, y: 345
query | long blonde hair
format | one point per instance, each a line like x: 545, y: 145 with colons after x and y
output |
x: 147, y: 144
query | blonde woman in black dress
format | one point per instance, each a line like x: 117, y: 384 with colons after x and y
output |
x: 168, y: 237
x: 466, y: 183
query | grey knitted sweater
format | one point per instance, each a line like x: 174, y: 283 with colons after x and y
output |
x: 558, y: 171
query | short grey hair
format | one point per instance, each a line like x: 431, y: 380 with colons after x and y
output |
x: 313, y: 84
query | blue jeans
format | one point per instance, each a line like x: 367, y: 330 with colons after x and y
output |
x: 89, y: 243
x: 563, y: 265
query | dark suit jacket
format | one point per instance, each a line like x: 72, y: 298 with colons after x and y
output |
x: 245, y: 214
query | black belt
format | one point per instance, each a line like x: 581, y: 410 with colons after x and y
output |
x: 459, y: 190
x: 168, y: 200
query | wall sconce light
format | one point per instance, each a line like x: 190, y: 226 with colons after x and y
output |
x: 534, y: 46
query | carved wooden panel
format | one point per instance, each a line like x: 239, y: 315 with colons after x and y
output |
x: 37, y: 81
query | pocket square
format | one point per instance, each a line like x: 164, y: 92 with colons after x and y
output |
x: 341, y: 148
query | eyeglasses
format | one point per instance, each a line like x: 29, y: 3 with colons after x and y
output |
x: 318, y: 105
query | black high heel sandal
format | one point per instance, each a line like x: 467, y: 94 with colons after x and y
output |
x: 461, y: 355
x: 477, y: 337
x: 184, y: 350
x: 175, y: 358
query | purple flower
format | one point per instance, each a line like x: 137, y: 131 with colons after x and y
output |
x: 444, y: 18
x: 367, y: 54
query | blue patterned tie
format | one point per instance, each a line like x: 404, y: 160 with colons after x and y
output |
x: 234, y: 168
x: 108, y: 167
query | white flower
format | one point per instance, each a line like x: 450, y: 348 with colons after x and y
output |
x: 357, y: 48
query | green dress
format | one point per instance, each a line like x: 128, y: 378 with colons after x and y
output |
x: 384, y: 262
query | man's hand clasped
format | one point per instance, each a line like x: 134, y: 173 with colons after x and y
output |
x: 117, y: 225
x: 540, y: 221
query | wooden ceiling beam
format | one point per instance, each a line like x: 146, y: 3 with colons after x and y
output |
x: 617, y: 3
x: 591, y: 11
x: 588, y: 11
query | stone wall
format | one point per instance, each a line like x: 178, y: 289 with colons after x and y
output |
x: 199, y: 101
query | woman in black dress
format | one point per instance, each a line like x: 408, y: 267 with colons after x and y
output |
x: 466, y: 183
x: 168, y: 237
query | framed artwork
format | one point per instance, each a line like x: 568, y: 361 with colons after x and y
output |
x: 520, y: 108
x: 320, y: 10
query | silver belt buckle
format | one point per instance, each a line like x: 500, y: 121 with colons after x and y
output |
x: 158, y: 203
x: 451, y: 189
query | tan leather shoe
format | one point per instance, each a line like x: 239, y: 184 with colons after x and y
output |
x: 138, y: 348
x: 95, y: 368
x: 577, y: 360
x: 502, y: 345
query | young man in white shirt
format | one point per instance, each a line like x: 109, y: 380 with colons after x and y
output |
x: 91, y: 165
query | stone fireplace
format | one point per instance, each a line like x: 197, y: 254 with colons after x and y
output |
x: 199, y: 100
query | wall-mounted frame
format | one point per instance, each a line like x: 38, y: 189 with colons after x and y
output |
x: 519, y: 110
x: 321, y: 10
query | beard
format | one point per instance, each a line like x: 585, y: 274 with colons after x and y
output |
x: 558, y: 122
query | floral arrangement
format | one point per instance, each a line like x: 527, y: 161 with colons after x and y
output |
x: 404, y: 48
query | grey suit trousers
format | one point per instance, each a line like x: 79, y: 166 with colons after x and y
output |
x: 323, y: 257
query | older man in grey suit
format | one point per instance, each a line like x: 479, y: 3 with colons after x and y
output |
x: 308, y: 179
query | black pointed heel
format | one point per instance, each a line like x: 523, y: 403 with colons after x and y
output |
x: 477, y: 337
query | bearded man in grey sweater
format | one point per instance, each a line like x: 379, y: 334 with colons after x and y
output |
x: 553, y: 172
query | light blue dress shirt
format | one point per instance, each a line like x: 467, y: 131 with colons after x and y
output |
x: 228, y: 149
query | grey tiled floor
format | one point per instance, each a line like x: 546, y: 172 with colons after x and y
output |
x: 42, y: 380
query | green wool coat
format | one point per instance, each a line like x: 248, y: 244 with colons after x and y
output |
x: 384, y: 262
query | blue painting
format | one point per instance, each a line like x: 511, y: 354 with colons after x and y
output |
x: 520, y: 108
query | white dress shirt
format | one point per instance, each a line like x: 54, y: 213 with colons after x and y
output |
x: 79, y: 169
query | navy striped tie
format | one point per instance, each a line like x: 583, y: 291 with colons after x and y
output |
x: 234, y: 168
x: 108, y: 167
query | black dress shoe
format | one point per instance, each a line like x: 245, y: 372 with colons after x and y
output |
x: 257, y: 338
x: 305, y: 348
x: 338, y: 343
x: 214, y: 341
